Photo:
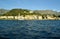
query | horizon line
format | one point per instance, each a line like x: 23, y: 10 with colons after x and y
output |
x: 31, y: 9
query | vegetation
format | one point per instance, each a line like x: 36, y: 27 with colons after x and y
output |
x: 16, y: 12
x: 3, y: 11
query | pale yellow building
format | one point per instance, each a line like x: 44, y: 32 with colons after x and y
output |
x: 51, y: 17
x: 30, y: 17
x: 10, y: 17
x: 40, y: 17
x: 3, y: 17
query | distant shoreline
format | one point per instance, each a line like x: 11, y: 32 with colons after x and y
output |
x: 33, y: 19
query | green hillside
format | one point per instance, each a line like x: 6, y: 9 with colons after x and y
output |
x: 16, y: 12
x: 3, y: 11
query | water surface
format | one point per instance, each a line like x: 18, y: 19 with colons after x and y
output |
x: 30, y: 29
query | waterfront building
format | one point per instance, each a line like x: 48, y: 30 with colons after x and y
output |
x: 40, y: 17
x: 51, y: 17
x: 10, y: 17
x: 3, y: 17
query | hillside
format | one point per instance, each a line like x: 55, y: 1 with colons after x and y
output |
x: 47, y: 12
x: 3, y: 11
x: 15, y: 12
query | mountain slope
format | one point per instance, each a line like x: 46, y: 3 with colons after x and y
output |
x: 3, y: 11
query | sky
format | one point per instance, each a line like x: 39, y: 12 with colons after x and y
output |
x: 31, y: 4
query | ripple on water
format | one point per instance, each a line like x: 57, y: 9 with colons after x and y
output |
x: 30, y: 29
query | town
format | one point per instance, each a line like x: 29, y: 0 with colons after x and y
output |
x: 24, y: 14
x: 29, y: 17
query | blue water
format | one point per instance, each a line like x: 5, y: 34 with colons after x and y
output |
x: 30, y: 29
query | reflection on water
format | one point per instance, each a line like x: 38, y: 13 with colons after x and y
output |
x: 30, y: 29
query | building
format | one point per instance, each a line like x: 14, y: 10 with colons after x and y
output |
x: 3, y: 17
x: 51, y: 17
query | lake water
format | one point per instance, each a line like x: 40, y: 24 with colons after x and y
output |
x: 29, y: 29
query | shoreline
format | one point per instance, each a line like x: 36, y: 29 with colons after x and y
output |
x: 30, y: 19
